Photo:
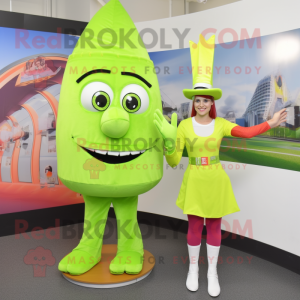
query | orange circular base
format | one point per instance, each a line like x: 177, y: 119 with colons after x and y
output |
x: 100, y: 277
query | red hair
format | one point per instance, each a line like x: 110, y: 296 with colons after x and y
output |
x: 212, y: 112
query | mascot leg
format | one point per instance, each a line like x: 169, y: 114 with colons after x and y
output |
x: 88, y: 252
x: 130, y: 253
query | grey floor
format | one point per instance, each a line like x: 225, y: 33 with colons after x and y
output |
x: 258, y: 279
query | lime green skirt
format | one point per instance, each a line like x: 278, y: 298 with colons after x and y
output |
x: 206, y: 191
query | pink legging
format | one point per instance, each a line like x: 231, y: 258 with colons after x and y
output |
x: 213, y: 228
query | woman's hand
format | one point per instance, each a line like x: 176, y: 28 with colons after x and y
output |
x: 278, y: 118
x: 167, y: 130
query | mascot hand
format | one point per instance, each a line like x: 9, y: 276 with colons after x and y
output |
x: 167, y: 130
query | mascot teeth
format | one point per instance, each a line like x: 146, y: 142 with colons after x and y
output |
x: 117, y: 153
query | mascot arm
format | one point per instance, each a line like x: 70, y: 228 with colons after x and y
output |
x: 173, y: 157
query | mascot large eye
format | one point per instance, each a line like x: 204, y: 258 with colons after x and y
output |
x: 134, y: 99
x: 96, y: 96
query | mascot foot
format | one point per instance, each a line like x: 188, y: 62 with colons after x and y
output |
x: 78, y: 262
x: 130, y: 262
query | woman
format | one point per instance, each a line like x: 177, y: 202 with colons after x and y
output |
x: 206, y: 190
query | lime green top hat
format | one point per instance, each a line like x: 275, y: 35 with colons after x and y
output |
x: 202, y: 56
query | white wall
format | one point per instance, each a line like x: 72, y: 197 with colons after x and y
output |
x: 35, y: 7
x: 268, y: 197
x: 94, y: 7
x: 195, y: 7
x: 84, y: 10
x: 79, y: 10
x: 4, y: 5
x: 270, y: 16
x: 146, y: 10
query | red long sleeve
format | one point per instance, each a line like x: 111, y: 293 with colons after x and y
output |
x: 249, y: 132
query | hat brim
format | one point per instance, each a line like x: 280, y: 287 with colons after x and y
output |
x: 216, y: 93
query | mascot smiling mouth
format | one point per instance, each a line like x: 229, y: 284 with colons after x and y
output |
x: 114, y: 157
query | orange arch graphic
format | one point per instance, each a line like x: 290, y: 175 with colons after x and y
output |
x: 15, y: 157
x: 37, y: 138
x: 35, y: 157
x: 54, y: 105
x: 11, y: 73
x: 2, y: 150
x: 51, y: 100
x: 16, y: 70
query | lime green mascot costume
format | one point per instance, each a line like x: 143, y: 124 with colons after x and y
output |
x: 108, y: 148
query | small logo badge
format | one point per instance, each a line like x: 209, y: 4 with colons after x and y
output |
x: 204, y: 161
x: 212, y: 158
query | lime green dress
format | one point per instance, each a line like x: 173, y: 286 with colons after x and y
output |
x: 205, y: 191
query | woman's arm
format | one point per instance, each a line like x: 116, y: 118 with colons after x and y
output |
x: 249, y: 132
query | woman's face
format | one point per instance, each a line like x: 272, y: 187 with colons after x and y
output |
x: 202, y: 105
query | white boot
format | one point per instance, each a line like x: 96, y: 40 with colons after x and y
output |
x: 193, y: 274
x: 212, y: 275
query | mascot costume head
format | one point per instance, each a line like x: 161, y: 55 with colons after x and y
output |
x: 108, y: 148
